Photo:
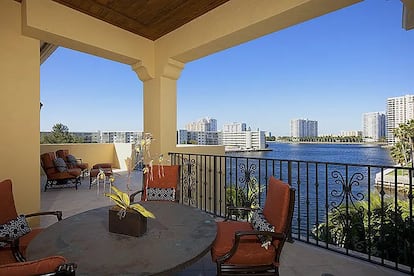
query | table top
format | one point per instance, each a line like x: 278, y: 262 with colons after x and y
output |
x: 176, y: 238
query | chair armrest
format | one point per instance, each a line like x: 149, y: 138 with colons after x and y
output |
x: 58, y: 214
x: 132, y: 196
x: 239, y: 234
x: 14, y: 246
x: 45, y: 266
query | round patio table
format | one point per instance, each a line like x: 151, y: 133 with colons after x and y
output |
x: 176, y: 238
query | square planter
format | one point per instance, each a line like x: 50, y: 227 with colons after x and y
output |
x: 133, y: 224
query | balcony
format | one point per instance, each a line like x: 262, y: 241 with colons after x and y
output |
x: 158, y: 63
x: 204, y: 179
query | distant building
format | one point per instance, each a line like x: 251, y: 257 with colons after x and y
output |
x: 120, y: 136
x: 234, y: 127
x: 244, y: 140
x: 203, y: 137
x: 235, y: 136
x: 303, y: 128
x: 182, y: 136
x: 350, y: 133
x: 106, y: 136
x: 374, y: 125
x: 201, y: 132
x: 399, y: 111
x: 205, y: 124
x: 88, y: 137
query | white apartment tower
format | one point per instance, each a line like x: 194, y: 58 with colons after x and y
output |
x: 303, y: 128
x: 373, y: 125
x: 205, y: 124
x: 237, y: 136
x: 399, y: 111
x: 234, y: 127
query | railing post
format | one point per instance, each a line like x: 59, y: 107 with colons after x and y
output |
x: 289, y: 236
x: 215, y: 185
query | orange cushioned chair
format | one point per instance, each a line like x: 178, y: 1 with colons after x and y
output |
x: 237, y: 248
x: 48, y: 265
x: 160, y: 183
x: 56, y: 177
x: 16, y: 250
x: 72, y: 161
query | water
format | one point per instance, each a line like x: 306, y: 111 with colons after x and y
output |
x: 363, y: 154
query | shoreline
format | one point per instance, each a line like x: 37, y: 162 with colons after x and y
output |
x: 247, y: 150
x: 382, y: 144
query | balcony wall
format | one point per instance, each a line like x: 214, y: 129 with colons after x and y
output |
x: 115, y: 154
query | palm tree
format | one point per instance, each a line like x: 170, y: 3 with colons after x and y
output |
x: 405, y: 144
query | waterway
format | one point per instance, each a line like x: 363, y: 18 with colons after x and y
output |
x: 363, y: 154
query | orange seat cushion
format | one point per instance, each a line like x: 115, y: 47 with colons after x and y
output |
x: 37, y: 267
x: 250, y: 250
x: 6, y: 254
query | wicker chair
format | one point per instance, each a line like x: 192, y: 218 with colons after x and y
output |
x: 15, y: 250
x: 160, y: 183
x: 238, y: 248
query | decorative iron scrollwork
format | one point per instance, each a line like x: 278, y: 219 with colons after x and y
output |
x: 347, y: 216
x: 189, y: 181
x: 251, y: 185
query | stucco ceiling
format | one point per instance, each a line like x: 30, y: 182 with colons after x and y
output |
x: 148, y: 18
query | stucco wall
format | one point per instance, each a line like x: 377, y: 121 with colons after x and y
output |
x: 19, y: 114
x: 95, y: 153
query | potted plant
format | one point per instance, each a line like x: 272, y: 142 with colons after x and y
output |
x: 126, y: 218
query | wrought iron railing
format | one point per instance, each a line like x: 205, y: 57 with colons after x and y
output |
x: 364, y: 211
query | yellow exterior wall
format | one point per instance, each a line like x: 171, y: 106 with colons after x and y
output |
x: 20, y: 110
x: 95, y: 153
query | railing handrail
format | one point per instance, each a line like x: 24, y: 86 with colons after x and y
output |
x: 296, y: 160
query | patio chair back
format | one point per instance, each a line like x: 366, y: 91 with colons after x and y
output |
x: 163, y: 178
x: 7, y: 207
x: 239, y: 245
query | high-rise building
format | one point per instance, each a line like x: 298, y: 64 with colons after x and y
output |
x: 120, y: 136
x: 205, y: 124
x: 244, y: 140
x: 373, y: 125
x: 399, y: 111
x: 303, y: 128
x: 234, y: 127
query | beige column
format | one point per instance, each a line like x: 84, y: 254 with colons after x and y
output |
x: 19, y: 112
x: 160, y: 105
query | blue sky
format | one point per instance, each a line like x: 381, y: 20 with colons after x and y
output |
x: 330, y: 69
